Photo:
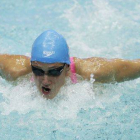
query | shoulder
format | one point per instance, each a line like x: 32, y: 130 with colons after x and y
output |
x: 14, y: 66
x: 80, y: 62
x: 94, y: 65
x: 7, y: 57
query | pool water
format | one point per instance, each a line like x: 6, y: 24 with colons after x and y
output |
x: 82, y: 111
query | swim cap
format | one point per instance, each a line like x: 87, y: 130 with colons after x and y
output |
x: 50, y: 47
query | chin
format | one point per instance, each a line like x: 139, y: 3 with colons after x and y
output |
x: 48, y: 96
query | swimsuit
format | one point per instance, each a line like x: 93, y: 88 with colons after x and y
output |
x: 73, y: 71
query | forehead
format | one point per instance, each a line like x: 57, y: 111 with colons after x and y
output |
x: 40, y: 64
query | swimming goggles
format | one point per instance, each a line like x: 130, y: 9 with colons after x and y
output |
x: 52, y: 72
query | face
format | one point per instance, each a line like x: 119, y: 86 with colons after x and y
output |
x: 48, y: 84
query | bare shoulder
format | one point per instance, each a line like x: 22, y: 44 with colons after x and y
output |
x: 14, y: 66
x: 93, y: 61
x: 99, y: 67
x: 7, y: 57
x: 14, y: 61
x: 96, y: 61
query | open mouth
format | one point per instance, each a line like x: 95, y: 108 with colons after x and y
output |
x: 46, y: 90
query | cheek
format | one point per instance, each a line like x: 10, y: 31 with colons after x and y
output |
x: 61, y: 79
x: 38, y: 80
x: 58, y: 80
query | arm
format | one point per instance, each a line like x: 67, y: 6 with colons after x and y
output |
x: 108, y: 70
x: 14, y: 66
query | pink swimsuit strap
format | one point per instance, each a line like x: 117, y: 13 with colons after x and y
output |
x: 73, y: 71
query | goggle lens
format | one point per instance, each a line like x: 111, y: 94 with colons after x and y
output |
x: 52, y: 72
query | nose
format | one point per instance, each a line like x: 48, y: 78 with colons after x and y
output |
x: 46, y: 80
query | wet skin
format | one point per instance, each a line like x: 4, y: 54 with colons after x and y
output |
x: 49, y: 86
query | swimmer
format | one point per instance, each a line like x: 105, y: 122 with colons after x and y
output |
x: 50, y: 64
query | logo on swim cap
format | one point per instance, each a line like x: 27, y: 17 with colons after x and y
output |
x: 46, y: 53
x: 50, y: 47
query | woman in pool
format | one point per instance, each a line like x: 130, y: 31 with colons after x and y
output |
x: 51, y: 64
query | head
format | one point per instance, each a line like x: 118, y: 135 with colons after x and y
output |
x: 50, y: 62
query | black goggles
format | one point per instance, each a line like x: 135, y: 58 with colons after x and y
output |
x: 52, y: 72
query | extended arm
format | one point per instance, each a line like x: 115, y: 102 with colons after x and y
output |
x: 14, y: 66
x: 108, y: 70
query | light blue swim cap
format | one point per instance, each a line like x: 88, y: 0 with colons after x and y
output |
x: 50, y: 47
